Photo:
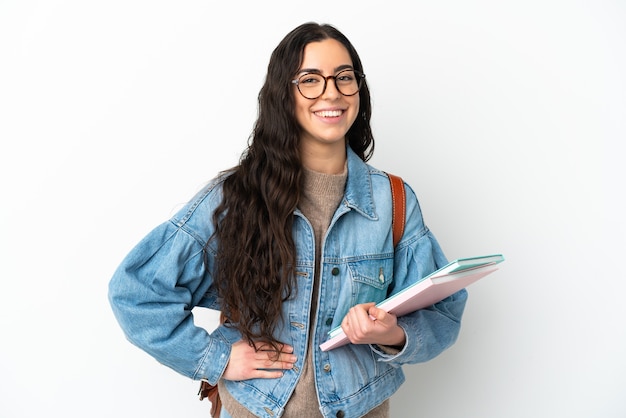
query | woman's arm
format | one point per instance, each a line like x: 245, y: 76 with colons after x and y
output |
x: 152, y: 294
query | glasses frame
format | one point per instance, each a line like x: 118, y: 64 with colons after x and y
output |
x: 360, y: 77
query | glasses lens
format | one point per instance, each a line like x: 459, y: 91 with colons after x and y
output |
x: 348, y: 82
x: 311, y: 86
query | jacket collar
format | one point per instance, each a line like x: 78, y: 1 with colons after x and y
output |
x: 359, y: 194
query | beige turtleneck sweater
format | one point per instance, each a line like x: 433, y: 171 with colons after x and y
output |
x: 321, y: 195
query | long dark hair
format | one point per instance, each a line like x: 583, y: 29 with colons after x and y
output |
x: 255, y: 262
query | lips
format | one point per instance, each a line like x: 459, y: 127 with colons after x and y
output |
x: 329, y: 113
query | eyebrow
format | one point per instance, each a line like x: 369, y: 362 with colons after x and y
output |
x: 315, y: 70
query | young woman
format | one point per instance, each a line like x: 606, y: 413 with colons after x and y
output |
x: 290, y: 243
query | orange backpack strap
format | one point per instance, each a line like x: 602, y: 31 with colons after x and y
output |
x: 398, y: 196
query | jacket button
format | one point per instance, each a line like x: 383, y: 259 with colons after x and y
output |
x: 326, y: 367
x: 335, y: 271
x: 329, y: 321
x: 340, y: 414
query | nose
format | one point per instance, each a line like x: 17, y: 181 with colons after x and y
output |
x: 331, y: 91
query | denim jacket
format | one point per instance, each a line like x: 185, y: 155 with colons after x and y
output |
x: 163, y: 278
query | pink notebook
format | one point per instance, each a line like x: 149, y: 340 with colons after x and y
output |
x: 439, y: 285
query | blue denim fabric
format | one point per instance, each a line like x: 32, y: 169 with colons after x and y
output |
x: 156, y: 286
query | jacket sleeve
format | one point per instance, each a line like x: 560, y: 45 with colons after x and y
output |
x: 152, y: 294
x: 432, y: 330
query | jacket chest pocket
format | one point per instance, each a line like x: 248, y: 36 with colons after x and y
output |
x: 370, y: 279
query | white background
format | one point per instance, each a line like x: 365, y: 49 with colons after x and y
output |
x: 507, y: 118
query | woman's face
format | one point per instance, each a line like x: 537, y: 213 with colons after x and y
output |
x: 326, y: 119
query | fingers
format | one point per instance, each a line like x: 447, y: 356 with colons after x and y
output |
x: 377, y: 313
x: 246, y: 362
x: 366, y: 324
x: 355, y: 328
x: 284, y: 348
x: 268, y: 367
x: 269, y: 358
x: 358, y: 321
x: 273, y: 360
x: 265, y: 374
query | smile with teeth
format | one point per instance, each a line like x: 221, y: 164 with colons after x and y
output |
x: 329, y: 113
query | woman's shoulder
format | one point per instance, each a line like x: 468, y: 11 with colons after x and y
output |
x: 381, y: 184
x: 201, y: 206
x: 382, y: 179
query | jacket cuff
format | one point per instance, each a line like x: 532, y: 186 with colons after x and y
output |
x: 214, y: 362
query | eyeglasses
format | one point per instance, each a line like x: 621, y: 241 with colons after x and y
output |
x: 313, y: 85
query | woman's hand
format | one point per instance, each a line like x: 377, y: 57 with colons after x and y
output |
x: 247, y: 363
x: 367, y: 324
